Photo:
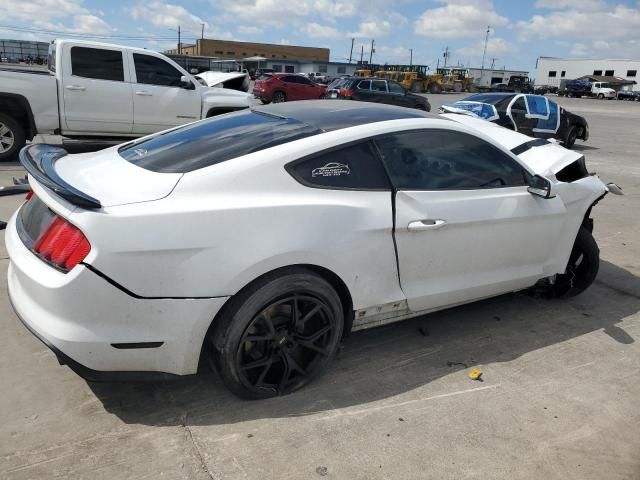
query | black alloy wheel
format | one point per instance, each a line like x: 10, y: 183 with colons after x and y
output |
x: 277, y: 334
x: 284, y: 343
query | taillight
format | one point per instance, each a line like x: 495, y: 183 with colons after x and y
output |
x: 29, y: 195
x: 62, y: 244
x: 346, y: 92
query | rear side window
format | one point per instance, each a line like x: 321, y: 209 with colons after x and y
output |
x: 97, y: 63
x: 213, y: 141
x: 364, y: 85
x: 379, y: 86
x: 353, y: 166
x: 155, y: 71
x: 447, y: 160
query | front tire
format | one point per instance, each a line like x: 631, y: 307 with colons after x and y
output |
x: 277, y: 334
x: 582, y: 268
x: 572, y: 136
x: 12, y: 137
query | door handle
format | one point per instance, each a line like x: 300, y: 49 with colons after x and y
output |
x: 75, y: 87
x: 144, y: 93
x: 428, y: 224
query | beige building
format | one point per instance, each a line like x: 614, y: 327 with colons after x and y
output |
x: 239, y: 50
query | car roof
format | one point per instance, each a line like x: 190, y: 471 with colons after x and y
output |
x: 493, y: 98
x: 328, y: 115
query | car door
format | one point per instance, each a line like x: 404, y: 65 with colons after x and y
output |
x: 465, y: 225
x: 159, y: 99
x: 95, y: 91
x: 398, y: 95
x: 379, y: 92
x: 362, y: 91
x: 292, y: 87
x: 308, y: 89
x: 519, y: 114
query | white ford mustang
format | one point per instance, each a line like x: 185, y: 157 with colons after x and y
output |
x: 257, y: 239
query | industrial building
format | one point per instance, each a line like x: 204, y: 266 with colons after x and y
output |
x: 551, y: 71
x: 238, y: 50
x: 485, y: 77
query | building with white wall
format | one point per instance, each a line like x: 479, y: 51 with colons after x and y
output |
x: 551, y: 70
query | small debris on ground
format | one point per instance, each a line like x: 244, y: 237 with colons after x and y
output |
x: 250, y: 435
x: 322, y: 471
x: 475, y: 374
x: 401, y: 419
x: 423, y: 331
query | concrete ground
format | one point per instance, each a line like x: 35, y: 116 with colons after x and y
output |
x: 559, y: 396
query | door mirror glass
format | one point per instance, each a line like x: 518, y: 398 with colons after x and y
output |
x: 186, y: 83
x: 540, y: 186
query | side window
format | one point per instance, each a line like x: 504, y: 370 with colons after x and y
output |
x: 364, y: 85
x: 289, y: 79
x: 379, y: 86
x: 446, y: 160
x: 538, y: 107
x: 552, y: 123
x: 519, y: 105
x: 396, y: 88
x: 155, y: 71
x: 97, y: 63
x: 303, y: 80
x: 355, y: 166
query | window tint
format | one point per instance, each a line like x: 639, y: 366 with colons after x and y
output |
x: 289, y: 79
x: 538, y: 106
x: 519, y: 105
x: 446, y: 160
x: 97, y: 63
x: 355, y: 166
x: 155, y: 71
x: 364, y: 85
x: 396, y: 88
x: 212, y: 141
x: 303, y: 80
x: 379, y: 86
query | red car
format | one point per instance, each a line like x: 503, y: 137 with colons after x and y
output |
x: 284, y: 87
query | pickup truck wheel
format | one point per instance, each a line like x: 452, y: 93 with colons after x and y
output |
x: 600, y: 96
x: 278, y: 97
x: 582, y: 267
x: 12, y: 137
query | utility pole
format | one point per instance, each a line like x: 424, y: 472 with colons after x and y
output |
x: 351, y: 52
x: 201, y: 39
x: 361, y: 53
x: 371, y: 52
x: 486, y: 41
x: 410, y: 57
x: 493, y: 63
x: 179, y: 43
x: 446, y: 56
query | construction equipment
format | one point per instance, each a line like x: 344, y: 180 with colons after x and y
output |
x: 362, y: 73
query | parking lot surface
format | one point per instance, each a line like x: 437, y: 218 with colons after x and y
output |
x: 558, y: 397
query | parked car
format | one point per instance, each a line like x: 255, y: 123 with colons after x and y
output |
x: 256, y: 74
x: 318, y: 77
x: 100, y: 90
x: 256, y: 240
x: 378, y: 90
x: 582, y: 88
x: 533, y: 115
x: 283, y: 87
x: 629, y: 95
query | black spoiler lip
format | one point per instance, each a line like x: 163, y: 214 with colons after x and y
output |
x: 39, y: 159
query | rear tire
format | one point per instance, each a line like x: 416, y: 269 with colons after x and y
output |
x: 416, y: 86
x: 435, y: 88
x: 277, y: 334
x: 278, y: 97
x: 12, y: 137
x: 457, y: 87
x: 582, y: 268
x: 600, y: 96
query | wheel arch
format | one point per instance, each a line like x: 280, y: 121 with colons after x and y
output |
x: 328, y: 275
x: 18, y: 107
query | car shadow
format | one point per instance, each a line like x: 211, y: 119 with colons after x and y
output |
x: 579, y: 147
x: 383, y: 362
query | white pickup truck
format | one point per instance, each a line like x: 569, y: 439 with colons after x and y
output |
x: 96, y: 90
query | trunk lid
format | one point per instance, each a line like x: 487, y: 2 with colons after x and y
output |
x: 97, y: 179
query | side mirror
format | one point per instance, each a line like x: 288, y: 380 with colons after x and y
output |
x: 540, y: 186
x: 186, y: 83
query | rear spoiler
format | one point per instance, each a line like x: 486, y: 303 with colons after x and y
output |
x: 39, y: 159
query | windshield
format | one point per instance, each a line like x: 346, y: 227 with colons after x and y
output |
x: 212, y: 141
x: 604, y: 85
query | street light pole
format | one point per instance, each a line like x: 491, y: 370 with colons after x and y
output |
x: 410, y: 57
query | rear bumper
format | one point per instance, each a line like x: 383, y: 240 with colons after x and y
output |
x: 81, y: 316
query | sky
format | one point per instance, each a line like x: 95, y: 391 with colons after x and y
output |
x: 520, y: 30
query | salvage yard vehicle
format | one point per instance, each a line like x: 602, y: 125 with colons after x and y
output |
x: 256, y: 240
x: 584, y: 88
x: 629, y: 95
x: 96, y: 90
x: 377, y: 90
x: 284, y: 87
x: 230, y: 80
x: 533, y: 115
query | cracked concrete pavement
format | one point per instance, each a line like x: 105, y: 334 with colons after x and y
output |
x: 558, y: 397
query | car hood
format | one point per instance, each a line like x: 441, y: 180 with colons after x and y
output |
x: 112, y: 180
x: 542, y: 158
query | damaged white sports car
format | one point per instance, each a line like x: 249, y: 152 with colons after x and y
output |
x: 256, y: 240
